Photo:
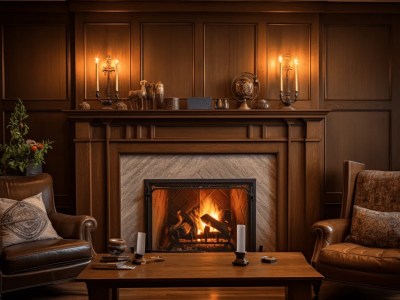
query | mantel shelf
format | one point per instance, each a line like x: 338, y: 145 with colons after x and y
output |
x: 199, y: 114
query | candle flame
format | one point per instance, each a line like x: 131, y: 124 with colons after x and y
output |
x: 296, y: 61
x: 96, y: 60
x: 116, y: 61
x: 280, y: 58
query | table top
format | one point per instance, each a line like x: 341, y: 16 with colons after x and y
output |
x: 205, y: 269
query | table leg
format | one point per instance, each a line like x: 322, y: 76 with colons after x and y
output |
x: 115, y: 293
x: 299, y: 291
x: 98, y: 292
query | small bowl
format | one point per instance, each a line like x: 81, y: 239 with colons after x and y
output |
x: 116, y: 246
x: 262, y: 104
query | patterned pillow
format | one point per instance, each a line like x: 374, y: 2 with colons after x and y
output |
x: 375, y: 228
x: 24, y: 221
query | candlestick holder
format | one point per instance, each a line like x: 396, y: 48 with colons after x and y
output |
x: 138, y: 259
x: 287, y: 100
x: 108, y: 69
x: 286, y: 96
x: 240, y: 259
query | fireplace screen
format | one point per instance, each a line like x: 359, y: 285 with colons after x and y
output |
x: 199, y: 214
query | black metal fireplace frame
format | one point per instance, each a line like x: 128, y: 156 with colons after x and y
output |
x: 247, y: 183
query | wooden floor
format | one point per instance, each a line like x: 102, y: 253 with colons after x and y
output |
x: 77, y: 291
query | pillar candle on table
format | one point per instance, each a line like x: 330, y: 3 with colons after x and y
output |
x: 141, y: 241
x: 241, y: 238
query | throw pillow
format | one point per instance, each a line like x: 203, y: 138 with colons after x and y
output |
x: 24, y: 221
x: 375, y: 228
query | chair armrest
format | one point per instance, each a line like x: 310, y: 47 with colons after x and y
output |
x: 328, y: 232
x: 73, y: 227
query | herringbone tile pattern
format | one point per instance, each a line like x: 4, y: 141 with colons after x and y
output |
x: 136, y: 168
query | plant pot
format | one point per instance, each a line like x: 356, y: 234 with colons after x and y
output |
x: 33, y: 169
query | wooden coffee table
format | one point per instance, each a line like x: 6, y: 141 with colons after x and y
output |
x: 209, y: 269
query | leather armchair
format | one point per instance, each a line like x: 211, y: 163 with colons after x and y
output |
x: 341, y: 260
x: 35, y: 263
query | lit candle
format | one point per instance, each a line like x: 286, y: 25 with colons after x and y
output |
x: 140, y: 246
x: 116, y: 75
x: 296, y: 63
x: 280, y: 73
x: 241, y: 239
x: 97, y: 73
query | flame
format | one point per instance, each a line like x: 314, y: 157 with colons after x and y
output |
x: 208, y: 206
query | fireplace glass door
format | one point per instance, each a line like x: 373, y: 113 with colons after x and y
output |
x: 199, y: 214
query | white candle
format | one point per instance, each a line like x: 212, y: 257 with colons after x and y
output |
x: 280, y: 73
x: 116, y: 75
x: 296, y: 63
x: 97, y: 73
x: 241, y: 239
x: 141, y: 240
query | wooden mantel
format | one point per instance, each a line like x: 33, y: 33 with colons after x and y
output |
x: 199, y: 114
x: 296, y: 137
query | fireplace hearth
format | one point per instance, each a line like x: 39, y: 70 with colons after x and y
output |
x: 199, y: 214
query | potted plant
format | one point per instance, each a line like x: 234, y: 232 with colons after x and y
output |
x: 22, y: 156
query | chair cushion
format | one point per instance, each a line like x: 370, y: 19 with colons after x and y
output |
x: 24, y: 220
x: 375, y: 228
x: 357, y: 257
x: 44, y: 254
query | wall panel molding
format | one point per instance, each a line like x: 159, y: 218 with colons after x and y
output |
x: 101, y: 40
x: 295, y: 40
x: 229, y: 49
x: 167, y: 55
x: 35, y: 61
x: 359, y: 135
x: 358, y: 61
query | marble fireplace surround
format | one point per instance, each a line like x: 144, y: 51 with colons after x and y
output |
x: 115, y: 149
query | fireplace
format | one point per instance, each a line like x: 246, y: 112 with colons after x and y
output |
x: 135, y: 169
x: 283, y: 149
x: 199, y: 214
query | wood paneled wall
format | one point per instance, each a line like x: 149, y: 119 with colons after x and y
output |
x: 348, y: 55
x: 35, y: 67
x: 361, y: 87
x: 197, y: 54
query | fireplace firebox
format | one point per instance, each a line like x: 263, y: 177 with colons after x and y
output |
x: 199, y: 214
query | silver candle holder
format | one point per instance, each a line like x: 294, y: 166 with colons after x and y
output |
x: 285, y: 67
x: 240, y: 259
x: 108, y: 69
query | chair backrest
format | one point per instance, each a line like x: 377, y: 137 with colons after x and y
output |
x: 372, y: 189
x: 350, y: 172
x: 378, y: 190
x: 21, y: 187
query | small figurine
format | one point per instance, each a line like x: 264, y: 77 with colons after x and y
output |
x: 138, y: 96
x: 159, y: 87
x: 84, y: 105
x: 121, y: 106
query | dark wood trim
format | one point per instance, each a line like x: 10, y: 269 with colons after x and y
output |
x: 241, y: 6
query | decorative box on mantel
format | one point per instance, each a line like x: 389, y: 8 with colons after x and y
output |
x: 282, y: 149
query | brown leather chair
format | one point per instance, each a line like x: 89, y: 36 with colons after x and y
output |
x: 35, y: 263
x: 340, y: 259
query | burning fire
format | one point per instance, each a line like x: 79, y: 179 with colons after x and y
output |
x: 208, y: 206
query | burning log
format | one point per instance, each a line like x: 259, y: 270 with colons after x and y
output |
x: 186, y: 227
x: 206, y: 232
x: 220, y: 226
